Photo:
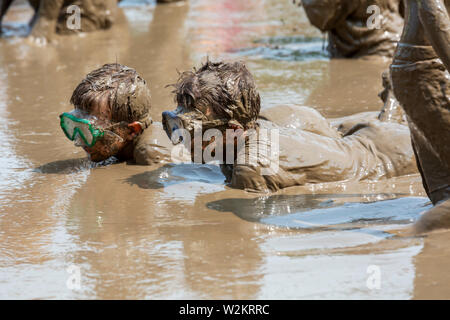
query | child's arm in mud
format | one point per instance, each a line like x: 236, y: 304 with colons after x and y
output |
x: 326, y: 14
x: 435, y: 20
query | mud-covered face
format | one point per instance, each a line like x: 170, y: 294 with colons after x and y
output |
x: 97, y: 134
x: 115, y: 139
x: 184, y: 124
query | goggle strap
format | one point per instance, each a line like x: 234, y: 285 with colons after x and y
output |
x: 145, y: 122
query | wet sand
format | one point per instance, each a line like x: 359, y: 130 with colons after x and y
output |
x: 177, y: 231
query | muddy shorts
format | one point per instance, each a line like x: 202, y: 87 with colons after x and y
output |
x: 422, y: 86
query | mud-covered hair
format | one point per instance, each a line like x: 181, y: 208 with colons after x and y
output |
x: 123, y: 90
x: 227, y: 87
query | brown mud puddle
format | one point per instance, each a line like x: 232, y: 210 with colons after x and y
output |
x: 177, y: 231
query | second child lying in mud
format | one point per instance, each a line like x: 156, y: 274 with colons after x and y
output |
x: 223, y: 96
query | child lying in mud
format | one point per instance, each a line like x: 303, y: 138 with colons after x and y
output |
x: 223, y: 96
x: 111, y: 118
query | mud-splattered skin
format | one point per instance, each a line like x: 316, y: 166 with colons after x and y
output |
x: 422, y: 85
x: 349, y: 26
x: 419, y: 28
x: 152, y: 146
x: 110, y: 145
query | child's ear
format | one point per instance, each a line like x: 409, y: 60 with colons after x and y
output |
x: 135, y: 127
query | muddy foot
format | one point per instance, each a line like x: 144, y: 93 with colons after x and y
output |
x: 435, y: 218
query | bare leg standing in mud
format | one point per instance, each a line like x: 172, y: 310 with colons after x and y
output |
x: 421, y: 84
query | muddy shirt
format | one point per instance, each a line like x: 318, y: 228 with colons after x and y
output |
x: 153, y: 146
x: 349, y: 26
x: 378, y: 150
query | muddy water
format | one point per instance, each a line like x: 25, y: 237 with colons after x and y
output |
x: 177, y: 231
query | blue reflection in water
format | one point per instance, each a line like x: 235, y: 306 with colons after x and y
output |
x: 403, y: 210
x: 318, y: 211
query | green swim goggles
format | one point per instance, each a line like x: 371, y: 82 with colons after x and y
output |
x: 85, y: 128
x: 78, y: 124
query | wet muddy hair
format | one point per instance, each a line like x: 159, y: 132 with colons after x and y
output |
x: 227, y: 87
x: 123, y: 90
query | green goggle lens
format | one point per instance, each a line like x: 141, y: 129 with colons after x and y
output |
x: 73, y: 127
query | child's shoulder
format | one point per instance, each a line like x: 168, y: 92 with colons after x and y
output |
x: 153, y: 146
x: 298, y: 117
